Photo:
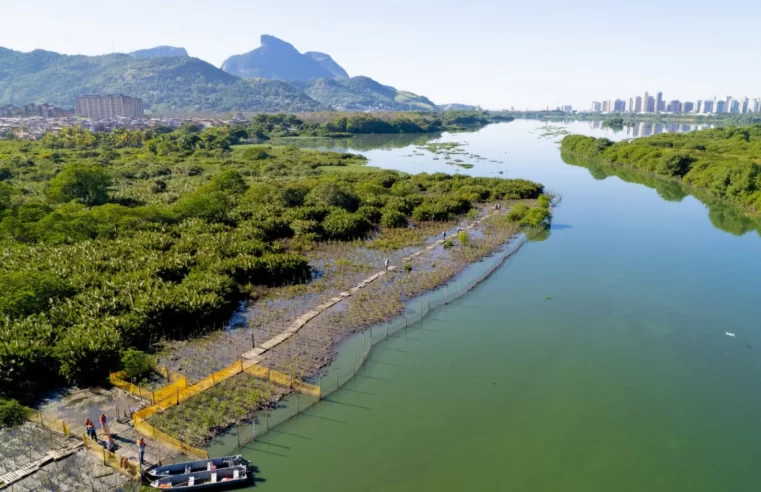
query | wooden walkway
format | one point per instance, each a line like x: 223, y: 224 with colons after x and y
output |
x: 12, y: 477
x: 256, y: 353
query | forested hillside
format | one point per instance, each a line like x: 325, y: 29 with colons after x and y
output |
x: 724, y: 161
x: 359, y: 93
x: 166, y: 84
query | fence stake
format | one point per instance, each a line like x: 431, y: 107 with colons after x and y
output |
x: 319, y: 397
x: 237, y: 429
x: 336, y: 379
x: 446, y: 298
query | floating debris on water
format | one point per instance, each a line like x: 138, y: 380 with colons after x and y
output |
x: 729, y: 334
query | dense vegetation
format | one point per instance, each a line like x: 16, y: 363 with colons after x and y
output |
x: 12, y: 413
x: 724, y: 161
x: 345, y: 124
x: 115, y: 241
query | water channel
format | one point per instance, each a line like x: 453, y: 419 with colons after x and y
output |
x: 596, y: 359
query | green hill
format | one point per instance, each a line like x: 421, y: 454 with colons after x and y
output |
x: 361, y: 93
x: 166, y: 84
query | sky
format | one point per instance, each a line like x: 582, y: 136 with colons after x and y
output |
x: 493, y: 53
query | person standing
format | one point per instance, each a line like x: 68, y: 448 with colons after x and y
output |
x: 385, y: 264
x: 141, y: 450
x: 104, y: 424
x: 90, y: 429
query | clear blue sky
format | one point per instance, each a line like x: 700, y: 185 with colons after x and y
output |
x: 497, y: 53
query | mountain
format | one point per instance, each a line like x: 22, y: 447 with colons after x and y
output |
x: 328, y: 63
x: 272, y: 78
x: 362, y: 93
x: 276, y: 59
x: 159, y: 51
x: 166, y: 84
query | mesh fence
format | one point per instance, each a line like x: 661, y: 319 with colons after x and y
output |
x: 344, y: 369
x: 48, y: 421
x: 118, y: 463
x: 176, y: 382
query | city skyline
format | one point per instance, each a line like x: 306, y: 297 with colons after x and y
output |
x: 648, y: 103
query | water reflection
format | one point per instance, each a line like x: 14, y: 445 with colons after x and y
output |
x: 723, y: 215
x: 647, y: 128
x: 359, y: 142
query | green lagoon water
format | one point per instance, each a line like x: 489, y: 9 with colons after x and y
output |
x: 623, y: 381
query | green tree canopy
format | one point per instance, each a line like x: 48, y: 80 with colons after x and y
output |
x: 87, y: 183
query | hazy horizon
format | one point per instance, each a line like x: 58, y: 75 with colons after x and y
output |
x: 527, y: 56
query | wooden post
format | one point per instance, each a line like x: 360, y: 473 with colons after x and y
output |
x: 237, y: 431
x: 319, y: 397
x: 446, y: 297
x: 253, y: 340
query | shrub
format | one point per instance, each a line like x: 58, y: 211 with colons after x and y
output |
x: 136, y: 363
x: 463, y: 238
x: 210, y: 206
x: 86, y: 183
x: 229, y: 181
x: 158, y: 186
x: 518, y: 212
x: 25, y: 293
x: 393, y: 219
x: 373, y: 214
x: 544, y: 201
x: 536, y: 217
x: 407, y: 267
x: 448, y: 244
x: 12, y: 413
x: 341, y: 224
x: 674, y: 165
x: 331, y: 195
x: 88, y: 352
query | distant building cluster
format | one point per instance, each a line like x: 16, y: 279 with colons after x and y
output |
x: 109, y: 106
x: 657, y: 104
x: 44, y: 110
x: 35, y: 127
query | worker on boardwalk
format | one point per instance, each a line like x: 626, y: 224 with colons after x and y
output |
x: 104, y: 424
x: 111, y: 444
x: 141, y: 450
x: 90, y: 429
x: 385, y: 264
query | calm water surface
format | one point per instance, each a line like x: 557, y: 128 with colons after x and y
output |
x: 623, y: 381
